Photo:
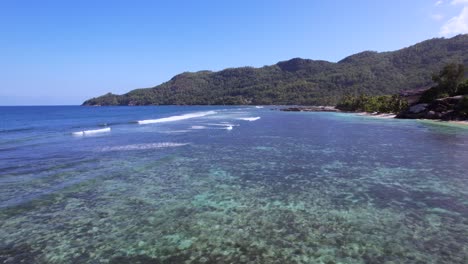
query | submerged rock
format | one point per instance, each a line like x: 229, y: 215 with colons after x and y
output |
x: 21, y: 253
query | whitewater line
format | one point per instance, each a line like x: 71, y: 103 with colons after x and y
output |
x: 249, y: 118
x: 90, y: 132
x: 176, y: 118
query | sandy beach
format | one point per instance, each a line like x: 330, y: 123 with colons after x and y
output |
x: 388, y: 116
x: 377, y: 115
x: 465, y: 122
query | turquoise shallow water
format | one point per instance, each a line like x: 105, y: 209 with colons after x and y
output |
x: 284, y: 188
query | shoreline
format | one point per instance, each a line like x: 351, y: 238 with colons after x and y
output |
x: 465, y: 122
x: 375, y: 115
x: 393, y: 116
x: 447, y: 122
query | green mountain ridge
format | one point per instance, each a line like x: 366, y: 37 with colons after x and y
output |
x: 304, y: 81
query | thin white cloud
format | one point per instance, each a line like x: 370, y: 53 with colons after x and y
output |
x: 456, y: 2
x: 437, y: 17
x: 438, y: 3
x: 456, y: 25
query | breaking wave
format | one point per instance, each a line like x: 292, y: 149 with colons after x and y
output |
x: 249, y: 118
x: 176, y: 118
x: 90, y: 132
x: 197, y: 127
x: 174, y: 131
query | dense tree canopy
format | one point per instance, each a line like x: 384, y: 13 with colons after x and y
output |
x: 381, y: 104
x: 450, y: 77
x: 449, y: 82
x: 305, y: 82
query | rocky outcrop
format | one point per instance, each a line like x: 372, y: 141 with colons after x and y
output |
x: 412, y: 96
x: 443, y: 108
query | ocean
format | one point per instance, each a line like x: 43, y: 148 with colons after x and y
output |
x: 219, y: 184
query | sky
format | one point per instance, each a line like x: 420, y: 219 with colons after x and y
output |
x: 64, y: 52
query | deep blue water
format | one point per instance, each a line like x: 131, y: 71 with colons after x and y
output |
x: 206, y: 185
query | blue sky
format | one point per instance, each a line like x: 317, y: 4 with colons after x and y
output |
x: 63, y: 52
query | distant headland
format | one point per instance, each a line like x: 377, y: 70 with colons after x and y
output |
x: 302, y: 81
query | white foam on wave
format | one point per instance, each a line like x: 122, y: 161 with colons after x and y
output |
x: 198, y: 127
x: 176, y: 118
x: 144, y: 146
x: 221, y: 124
x: 249, y: 118
x: 174, y: 131
x: 90, y: 132
x: 258, y: 106
x: 227, y: 126
x: 224, y: 125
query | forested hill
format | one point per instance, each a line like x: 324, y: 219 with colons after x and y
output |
x: 302, y: 81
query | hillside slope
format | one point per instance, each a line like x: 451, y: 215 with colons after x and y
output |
x: 302, y: 81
